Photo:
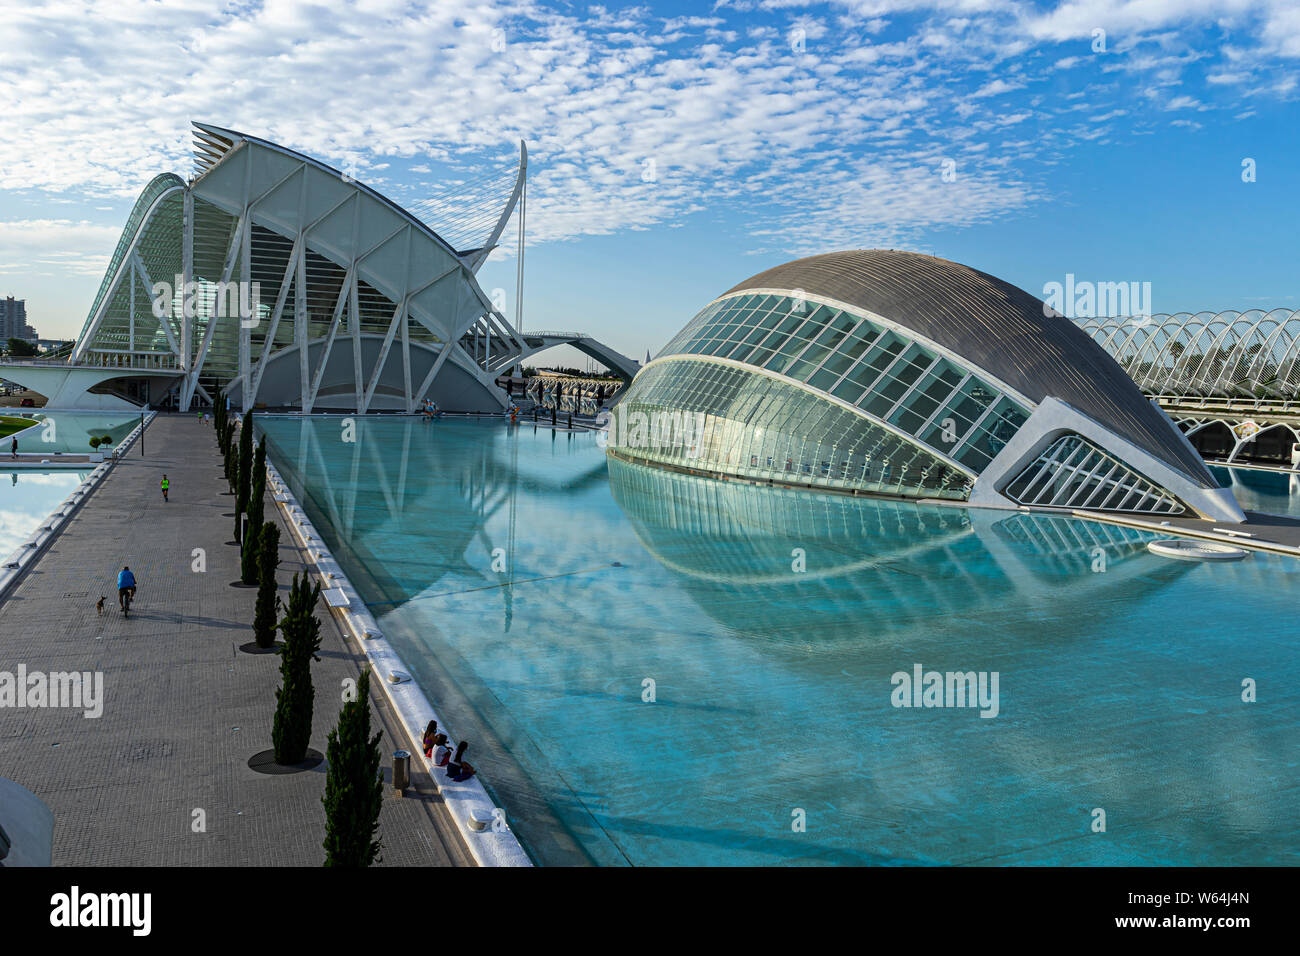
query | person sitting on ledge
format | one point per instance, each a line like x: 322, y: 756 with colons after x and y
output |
x: 441, y: 752
x: 460, y: 769
x: 429, y: 733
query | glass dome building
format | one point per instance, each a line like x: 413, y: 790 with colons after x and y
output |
x: 886, y: 372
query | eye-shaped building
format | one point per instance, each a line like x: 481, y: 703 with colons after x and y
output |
x: 885, y: 372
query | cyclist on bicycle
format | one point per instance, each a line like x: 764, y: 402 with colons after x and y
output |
x: 125, y: 584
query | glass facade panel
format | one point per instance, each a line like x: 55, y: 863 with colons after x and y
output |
x: 1074, y: 473
x: 869, y: 368
x: 880, y: 371
x: 991, y: 435
x: 722, y: 419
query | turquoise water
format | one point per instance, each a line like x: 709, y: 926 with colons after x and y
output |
x: 1269, y: 491
x: 26, y: 498
x: 71, y: 431
x: 1120, y: 673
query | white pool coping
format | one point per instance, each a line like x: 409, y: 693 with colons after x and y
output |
x: 39, y: 541
x: 494, y: 846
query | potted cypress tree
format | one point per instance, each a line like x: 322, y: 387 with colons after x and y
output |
x: 232, y: 451
x: 245, y: 470
x: 353, y: 789
x: 291, y: 732
x: 219, y: 421
x: 264, y: 623
x: 256, y: 511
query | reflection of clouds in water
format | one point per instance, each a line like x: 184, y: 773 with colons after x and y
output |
x: 67, y: 480
x: 24, y: 504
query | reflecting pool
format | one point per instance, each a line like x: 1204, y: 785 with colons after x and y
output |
x: 658, y: 669
x: 26, y: 498
x: 72, y: 431
x: 1255, y: 490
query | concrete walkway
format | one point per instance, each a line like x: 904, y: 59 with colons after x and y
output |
x: 1261, y: 531
x: 184, y: 709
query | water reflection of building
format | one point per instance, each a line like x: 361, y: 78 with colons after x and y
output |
x: 578, y: 395
x: 380, y: 494
x: 869, y: 562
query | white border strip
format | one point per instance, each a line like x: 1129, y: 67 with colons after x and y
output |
x: 36, y: 545
x: 467, y: 802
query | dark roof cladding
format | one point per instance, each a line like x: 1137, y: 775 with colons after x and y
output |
x: 997, y: 327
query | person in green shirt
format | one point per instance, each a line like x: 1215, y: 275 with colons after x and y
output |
x: 165, y: 485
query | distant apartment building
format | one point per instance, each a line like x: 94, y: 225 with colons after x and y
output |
x: 13, y: 320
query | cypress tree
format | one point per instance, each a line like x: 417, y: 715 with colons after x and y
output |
x: 291, y: 732
x: 257, y: 491
x: 353, y: 790
x: 268, y: 553
x: 230, y: 469
x: 256, y: 510
x: 245, y: 470
x: 222, y: 423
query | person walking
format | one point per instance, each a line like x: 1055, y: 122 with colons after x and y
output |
x: 165, y: 484
x: 13, y: 447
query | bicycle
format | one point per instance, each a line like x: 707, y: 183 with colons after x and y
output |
x: 128, y: 594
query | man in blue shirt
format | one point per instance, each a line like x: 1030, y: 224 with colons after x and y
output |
x: 125, y: 583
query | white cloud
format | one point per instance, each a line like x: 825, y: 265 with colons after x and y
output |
x: 77, y: 248
x: 101, y: 94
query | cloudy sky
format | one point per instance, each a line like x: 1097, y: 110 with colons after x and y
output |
x: 677, y: 148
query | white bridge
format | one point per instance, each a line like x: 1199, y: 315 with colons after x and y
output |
x: 496, y: 350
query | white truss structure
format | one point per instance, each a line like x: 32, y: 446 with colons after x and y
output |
x: 363, y: 306
x: 1252, y: 354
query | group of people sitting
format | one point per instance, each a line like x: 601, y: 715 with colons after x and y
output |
x: 438, y: 749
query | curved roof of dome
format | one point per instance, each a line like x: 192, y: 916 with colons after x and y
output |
x: 995, y: 326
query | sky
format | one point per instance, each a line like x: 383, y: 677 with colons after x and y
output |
x: 675, y: 149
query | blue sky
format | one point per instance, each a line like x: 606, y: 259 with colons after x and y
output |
x: 677, y: 148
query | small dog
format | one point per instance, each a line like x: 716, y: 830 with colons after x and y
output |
x: 99, y: 606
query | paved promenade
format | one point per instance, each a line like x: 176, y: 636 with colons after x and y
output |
x: 184, y: 709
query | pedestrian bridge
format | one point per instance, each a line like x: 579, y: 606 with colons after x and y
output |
x: 496, y: 352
